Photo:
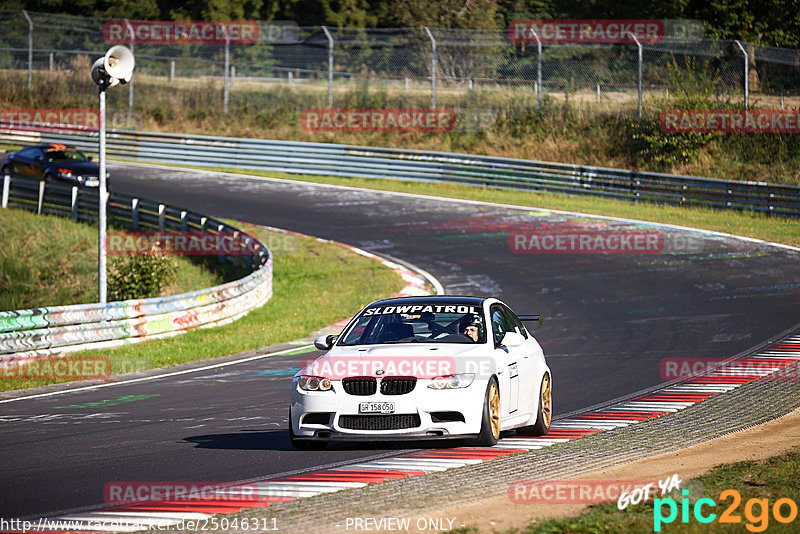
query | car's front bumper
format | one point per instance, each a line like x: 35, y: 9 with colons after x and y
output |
x: 428, y: 405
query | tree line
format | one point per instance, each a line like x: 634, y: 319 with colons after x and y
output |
x: 765, y: 22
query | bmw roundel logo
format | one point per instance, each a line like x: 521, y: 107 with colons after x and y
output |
x: 379, y: 372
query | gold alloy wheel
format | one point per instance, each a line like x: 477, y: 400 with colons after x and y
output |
x: 494, y: 409
x: 547, y: 401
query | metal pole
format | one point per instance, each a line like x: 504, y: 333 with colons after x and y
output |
x: 746, y: 74
x: 330, y: 66
x: 51, y: 62
x: 227, y: 66
x: 639, y: 45
x: 538, y: 67
x: 171, y: 71
x: 433, y: 68
x: 130, y: 83
x: 101, y: 191
x: 30, y: 49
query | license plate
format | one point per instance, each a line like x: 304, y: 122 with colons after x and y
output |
x: 92, y: 183
x: 376, y: 407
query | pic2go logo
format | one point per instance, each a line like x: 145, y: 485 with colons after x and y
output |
x: 757, y: 520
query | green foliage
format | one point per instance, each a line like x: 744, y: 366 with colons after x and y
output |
x: 649, y: 146
x: 695, y: 85
x: 139, y: 276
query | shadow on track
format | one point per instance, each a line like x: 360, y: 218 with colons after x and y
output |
x: 278, y: 440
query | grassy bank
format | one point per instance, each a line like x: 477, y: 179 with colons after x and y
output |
x: 52, y: 261
x: 571, y: 127
x: 766, y: 481
x: 315, y: 284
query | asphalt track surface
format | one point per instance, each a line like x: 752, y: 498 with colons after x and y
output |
x: 610, y: 321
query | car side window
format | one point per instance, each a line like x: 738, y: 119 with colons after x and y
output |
x: 29, y: 153
x: 514, y: 320
x: 500, y: 323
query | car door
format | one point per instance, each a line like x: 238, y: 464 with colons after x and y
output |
x: 510, y: 356
x: 528, y: 390
x: 25, y: 163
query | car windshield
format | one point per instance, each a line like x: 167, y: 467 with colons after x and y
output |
x: 435, y: 323
x: 65, y: 155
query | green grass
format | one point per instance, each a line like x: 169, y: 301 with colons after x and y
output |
x: 315, y: 283
x: 777, y: 229
x: 571, y: 127
x: 52, y: 261
x: 770, y: 479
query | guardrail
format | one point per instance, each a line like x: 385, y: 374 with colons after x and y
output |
x: 58, y: 329
x: 389, y: 163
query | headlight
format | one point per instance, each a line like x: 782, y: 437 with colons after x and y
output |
x: 64, y: 173
x: 314, y: 383
x: 460, y: 380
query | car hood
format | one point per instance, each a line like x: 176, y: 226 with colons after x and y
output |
x: 422, y: 360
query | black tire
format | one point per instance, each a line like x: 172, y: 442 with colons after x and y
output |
x: 544, y: 415
x: 490, y: 422
x: 6, y: 170
x: 49, y: 178
x: 304, y: 444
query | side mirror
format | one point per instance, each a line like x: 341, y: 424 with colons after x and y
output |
x: 325, y: 342
x: 512, y: 339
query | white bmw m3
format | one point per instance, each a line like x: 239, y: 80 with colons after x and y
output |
x: 424, y: 368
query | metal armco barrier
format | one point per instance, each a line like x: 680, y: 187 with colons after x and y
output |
x: 58, y: 329
x: 369, y: 162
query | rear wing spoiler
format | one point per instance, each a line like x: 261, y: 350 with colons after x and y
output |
x: 531, y: 318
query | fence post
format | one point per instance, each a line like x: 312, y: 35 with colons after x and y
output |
x: 162, y: 214
x: 130, y: 82
x: 51, y: 62
x: 74, y: 204
x: 746, y: 74
x: 330, y: 66
x: 6, y: 186
x: 135, y: 213
x: 538, y: 66
x: 41, y: 197
x: 30, y: 49
x: 227, y: 66
x: 171, y: 70
x: 433, y: 68
x: 639, y: 85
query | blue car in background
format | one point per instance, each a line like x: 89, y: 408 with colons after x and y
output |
x: 53, y: 163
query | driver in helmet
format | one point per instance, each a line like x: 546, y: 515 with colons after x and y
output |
x: 472, y: 328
